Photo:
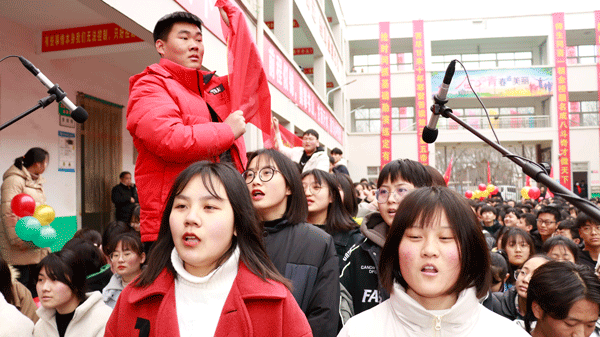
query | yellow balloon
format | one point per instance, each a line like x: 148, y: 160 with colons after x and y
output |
x: 45, y: 214
x: 490, y: 188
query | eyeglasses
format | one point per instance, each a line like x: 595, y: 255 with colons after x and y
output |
x: 127, y: 255
x: 382, y: 195
x: 545, y: 222
x: 314, y: 188
x: 521, y: 273
x: 264, y: 174
x: 590, y: 228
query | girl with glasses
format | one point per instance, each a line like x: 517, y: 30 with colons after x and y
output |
x: 326, y: 210
x: 359, y: 275
x: 208, y: 273
x: 519, y: 246
x: 435, y: 265
x: 301, y: 252
x: 126, y: 253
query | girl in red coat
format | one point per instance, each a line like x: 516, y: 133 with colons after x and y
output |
x: 208, y: 273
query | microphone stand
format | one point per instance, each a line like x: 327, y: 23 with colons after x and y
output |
x: 42, y: 103
x: 534, y: 171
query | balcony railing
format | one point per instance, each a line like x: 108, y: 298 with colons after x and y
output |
x: 503, y: 122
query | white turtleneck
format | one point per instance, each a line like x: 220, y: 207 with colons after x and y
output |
x: 200, y: 300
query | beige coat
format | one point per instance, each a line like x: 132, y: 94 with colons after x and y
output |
x: 14, y: 250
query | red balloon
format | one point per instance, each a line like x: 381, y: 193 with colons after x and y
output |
x: 469, y: 194
x: 481, y: 198
x: 534, y: 193
x: 22, y: 205
x: 482, y: 187
x: 495, y: 191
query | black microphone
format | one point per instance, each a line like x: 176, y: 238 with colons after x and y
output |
x: 77, y: 113
x: 430, y: 132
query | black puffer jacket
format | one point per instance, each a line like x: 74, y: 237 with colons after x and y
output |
x: 504, y: 304
x: 360, y: 269
x: 306, y: 255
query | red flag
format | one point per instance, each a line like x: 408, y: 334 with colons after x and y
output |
x: 249, y: 88
x: 527, y: 181
x: 288, y: 138
x: 448, y: 171
x: 489, y: 173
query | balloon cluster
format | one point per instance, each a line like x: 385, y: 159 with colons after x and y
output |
x: 34, y: 224
x: 483, y: 192
x: 530, y: 193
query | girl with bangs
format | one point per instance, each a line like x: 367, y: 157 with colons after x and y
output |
x: 208, y: 273
x: 301, y: 252
x: 326, y: 210
x: 435, y: 265
x: 519, y: 246
x: 67, y: 311
x: 126, y: 253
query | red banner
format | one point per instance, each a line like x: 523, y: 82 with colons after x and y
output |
x: 385, y: 99
x: 562, y: 100
x: 86, y: 37
x: 208, y: 13
x: 420, y: 89
x: 284, y: 76
x: 448, y: 171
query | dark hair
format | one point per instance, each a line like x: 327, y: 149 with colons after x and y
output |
x: 114, y: 229
x: 570, y: 225
x: 338, y: 218
x: 135, y: 215
x: 550, y: 210
x: 436, y: 177
x: 349, y: 199
x: 336, y: 150
x: 123, y: 174
x: 296, y: 210
x: 530, y: 220
x: 423, y: 207
x: 91, y: 257
x: 6, y: 282
x: 66, y: 266
x: 34, y: 155
x: 510, y: 237
x: 560, y: 240
x: 498, y: 266
x: 311, y: 132
x: 331, y: 160
x: 556, y: 286
x: 408, y: 170
x: 129, y: 241
x: 582, y: 220
x: 165, y: 24
x: 90, y: 235
x: 514, y: 211
x: 246, y: 225
x: 487, y: 208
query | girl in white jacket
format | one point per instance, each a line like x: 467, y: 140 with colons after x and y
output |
x: 67, y: 311
x: 435, y: 264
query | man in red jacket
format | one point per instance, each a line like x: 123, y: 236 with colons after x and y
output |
x: 178, y: 114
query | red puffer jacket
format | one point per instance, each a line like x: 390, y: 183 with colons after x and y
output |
x: 171, y: 126
x: 252, y: 308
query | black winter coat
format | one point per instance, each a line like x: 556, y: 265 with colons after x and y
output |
x: 306, y: 255
x: 121, y: 196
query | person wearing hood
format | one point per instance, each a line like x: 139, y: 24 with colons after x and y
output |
x: 309, y: 156
x: 179, y: 114
x: 359, y: 276
x: 23, y: 177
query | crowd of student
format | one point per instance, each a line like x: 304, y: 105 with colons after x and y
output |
x: 281, y: 252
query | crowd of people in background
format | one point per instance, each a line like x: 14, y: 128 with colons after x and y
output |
x: 282, y: 242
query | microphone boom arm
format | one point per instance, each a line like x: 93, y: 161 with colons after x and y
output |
x: 534, y: 171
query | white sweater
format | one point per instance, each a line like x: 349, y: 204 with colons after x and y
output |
x: 89, y: 319
x: 199, y: 300
x: 12, y: 322
x: 402, y: 316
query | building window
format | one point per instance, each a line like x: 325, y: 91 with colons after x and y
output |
x: 369, y: 119
x: 370, y: 63
x: 501, y: 118
x: 584, y: 113
x: 485, y: 61
x: 584, y: 54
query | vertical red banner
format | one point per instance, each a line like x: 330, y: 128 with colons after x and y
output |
x: 562, y: 99
x: 420, y: 90
x: 385, y: 99
x: 597, y: 25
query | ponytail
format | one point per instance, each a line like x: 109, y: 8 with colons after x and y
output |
x: 34, y: 155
